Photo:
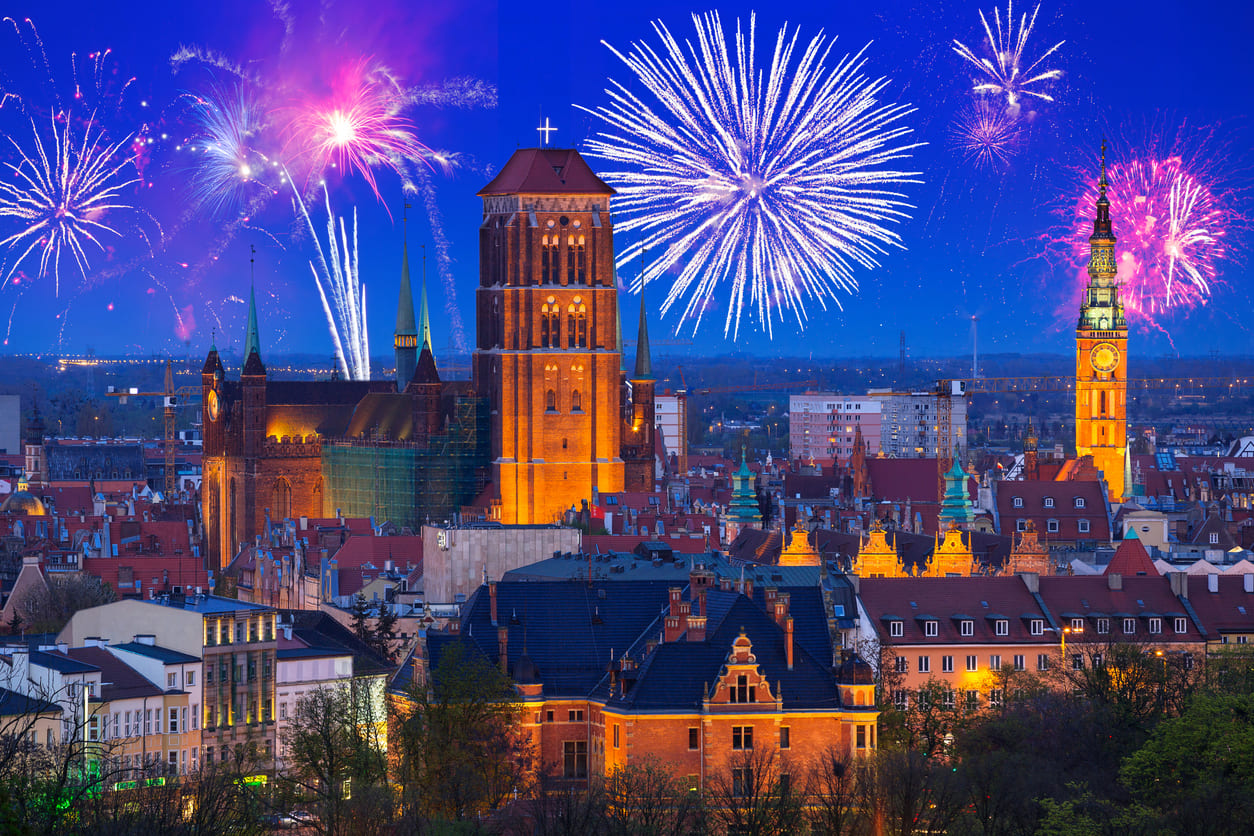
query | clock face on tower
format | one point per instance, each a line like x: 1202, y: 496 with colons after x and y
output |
x: 1104, y: 357
x: 214, y: 405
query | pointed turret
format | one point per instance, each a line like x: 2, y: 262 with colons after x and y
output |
x: 405, y: 339
x: 424, y: 324
x: 742, y: 511
x: 956, y: 505
x: 644, y: 363
x: 252, y: 340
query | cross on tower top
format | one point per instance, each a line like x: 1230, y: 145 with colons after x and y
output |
x: 545, y: 130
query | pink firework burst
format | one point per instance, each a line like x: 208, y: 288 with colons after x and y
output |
x: 987, y: 136
x: 359, y: 127
x: 1173, y: 215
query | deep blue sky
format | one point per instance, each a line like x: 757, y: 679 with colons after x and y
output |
x: 972, y: 245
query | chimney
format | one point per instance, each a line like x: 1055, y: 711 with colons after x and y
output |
x: 788, y: 640
x: 502, y: 644
x: 1249, y: 582
x: 64, y: 647
x: 1212, y: 583
x: 770, y: 592
x: 673, y: 628
x: 749, y: 588
x: 702, y: 611
x: 1114, y: 581
x: 696, y: 628
x: 146, y: 638
x: 1179, y: 584
x: 492, y: 599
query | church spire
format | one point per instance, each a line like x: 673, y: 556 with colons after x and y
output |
x: 424, y: 318
x: 405, y: 326
x: 1102, y: 230
x: 405, y: 340
x: 644, y: 363
x: 252, y: 340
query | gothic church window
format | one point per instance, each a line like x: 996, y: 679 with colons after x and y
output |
x: 583, y: 262
x: 282, y: 499
x: 576, y: 401
x: 550, y: 401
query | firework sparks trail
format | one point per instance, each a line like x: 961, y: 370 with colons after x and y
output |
x: 63, y: 198
x: 228, y: 171
x: 774, y: 180
x: 360, y: 129
x: 1171, y: 231
x: 1010, y: 73
x: 987, y: 136
x: 339, y: 277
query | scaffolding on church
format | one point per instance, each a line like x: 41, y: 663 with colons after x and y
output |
x: 408, y: 483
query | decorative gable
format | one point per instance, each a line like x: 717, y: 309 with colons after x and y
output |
x: 740, y: 684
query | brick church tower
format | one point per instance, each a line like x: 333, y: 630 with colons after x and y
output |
x: 639, y: 459
x: 546, y: 357
x: 1101, y: 365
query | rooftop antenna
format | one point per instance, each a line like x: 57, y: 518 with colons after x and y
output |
x: 975, y: 348
x: 545, y: 130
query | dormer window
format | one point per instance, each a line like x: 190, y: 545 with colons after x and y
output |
x: 1001, y: 627
x: 1049, y: 502
x: 930, y: 629
x: 1038, y: 627
x: 743, y: 692
x: 1051, y: 526
x: 1017, y: 502
x: 1079, y: 502
x: 1214, y: 538
x: 966, y: 627
x: 896, y: 629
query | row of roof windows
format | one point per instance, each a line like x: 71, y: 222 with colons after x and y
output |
x: 1036, y: 626
x: 1048, y: 502
x: 1052, y: 526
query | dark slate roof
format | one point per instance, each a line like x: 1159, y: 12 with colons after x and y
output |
x: 207, y: 604
x: 161, y: 654
x: 567, y: 628
x: 546, y: 171
x: 323, y: 391
x: 321, y: 631
x: 677, y: 675
x: 253, y: 367
x: 58, y: 661
x: 119, y: 681
x: 83, y: 461
x: 15, y: 704
x: 425, y: 370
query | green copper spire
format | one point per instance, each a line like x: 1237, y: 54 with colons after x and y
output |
x: 956, y: 504
x: 644, y: 364
x: 251, y: 341
x: 743, y: 508
x: 405, y: 304
x: 425, y: 317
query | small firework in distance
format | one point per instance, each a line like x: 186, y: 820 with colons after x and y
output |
x: 228, y: 165
x: 777, y: 179
x: 359, y: 127
x: 63, y: 195
x: 1010, y: 72
x: 987, y: 136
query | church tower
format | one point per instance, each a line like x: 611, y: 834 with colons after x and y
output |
x: 638, y: 456
x: 405, y: 338
x: 546, y: 358
x: 1101, y: 385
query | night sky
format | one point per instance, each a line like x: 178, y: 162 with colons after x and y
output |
x: 1159, y: 79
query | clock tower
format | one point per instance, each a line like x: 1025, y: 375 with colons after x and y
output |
x: 1101, y: 339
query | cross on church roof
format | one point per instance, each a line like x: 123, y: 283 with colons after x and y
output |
x: 545, y: 130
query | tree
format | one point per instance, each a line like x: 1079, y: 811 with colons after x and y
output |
x: 359, y: 619
x: 334, y: 760
x: 1198, y: 769
x: 645, y: 798
x: 461, y: 747
x: 834, y: 795
x: 384, y: 637
x: 909, y: 792
x: 48, y: 608
x: 755, y: 795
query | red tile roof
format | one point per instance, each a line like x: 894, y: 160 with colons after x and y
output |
x: 949, y: 601
x: 1034, y: 494
x: 1090, y: 597
x: 1131, y: 559
x: 1229, y: 609
x: 546, y: 171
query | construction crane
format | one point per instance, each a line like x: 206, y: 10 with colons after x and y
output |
x: 172, y: 399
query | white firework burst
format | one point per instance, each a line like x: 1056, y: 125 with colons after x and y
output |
x: 1008, y: 72
x: 62, y: 195
x: 777, y: 180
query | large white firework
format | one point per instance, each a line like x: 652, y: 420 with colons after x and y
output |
x: 62, y: 196
x: 777, y: 179
x: 1008, y: 72
x: 341, y: 291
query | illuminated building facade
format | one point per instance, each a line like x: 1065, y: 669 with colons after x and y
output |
x: 1101, y: 337
x: 547, y: 358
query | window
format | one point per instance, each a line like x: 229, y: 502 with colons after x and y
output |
x: 174, y: 721
x: 785, y: 737
x: 903, y: 665
x: 694, y: 738
x: 239, y: 632
x: 1103, y: 625
x: 901, y: 699
x: 1079, y: 502
x: 930, y: 629
x: 973, y: 700
x: 994, y: 696
x: 183, y: 719
x: 947, y: 664
x: 896, y: 628
x: 1083, y: 526
x: 861, y: 736
x: 575, y: 716
x: 966, y: 627
x: 171, y: 680
x: 947, y: 699
x: 575, y: 759
x: 1098, y: 659
x: 973, y: 664
x: 1182, y: 625
x: 743, y: 692
x: 1155, y: 625
x: 616, y: 735
x: 1129, y: 626
x: 1049, y: 502
x: 550, y: 401
x: 742, y: 780
x: 191, y: 678
x: 1001, y: 627
x: 1038, y: 627
x: 1077, y: 662
x: 209, y: 673
x: 994, y: 662
x: 1051, y: 526
x: 1020, y: 665
x: 1042, y: 661
x: 1214, y: 538
x: 1077, y: 625
x: 548, y: 716
x: 576, y: 402
x: 742, y: 737
x: 925, y: 664
x: 1018, y: 502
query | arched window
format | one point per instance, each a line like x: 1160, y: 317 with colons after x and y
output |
x: 549, y: 258
x: 317, y: 497
x: 583, y: 262
x: 581, y: 325
x: 571, y: 335
x: 544, y: 326
x: 576, y: 402
x: 230, y: 522
x: 282, y: 499
x: 550, y: 401
x: 544, y: 259
x: 570, y: 259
